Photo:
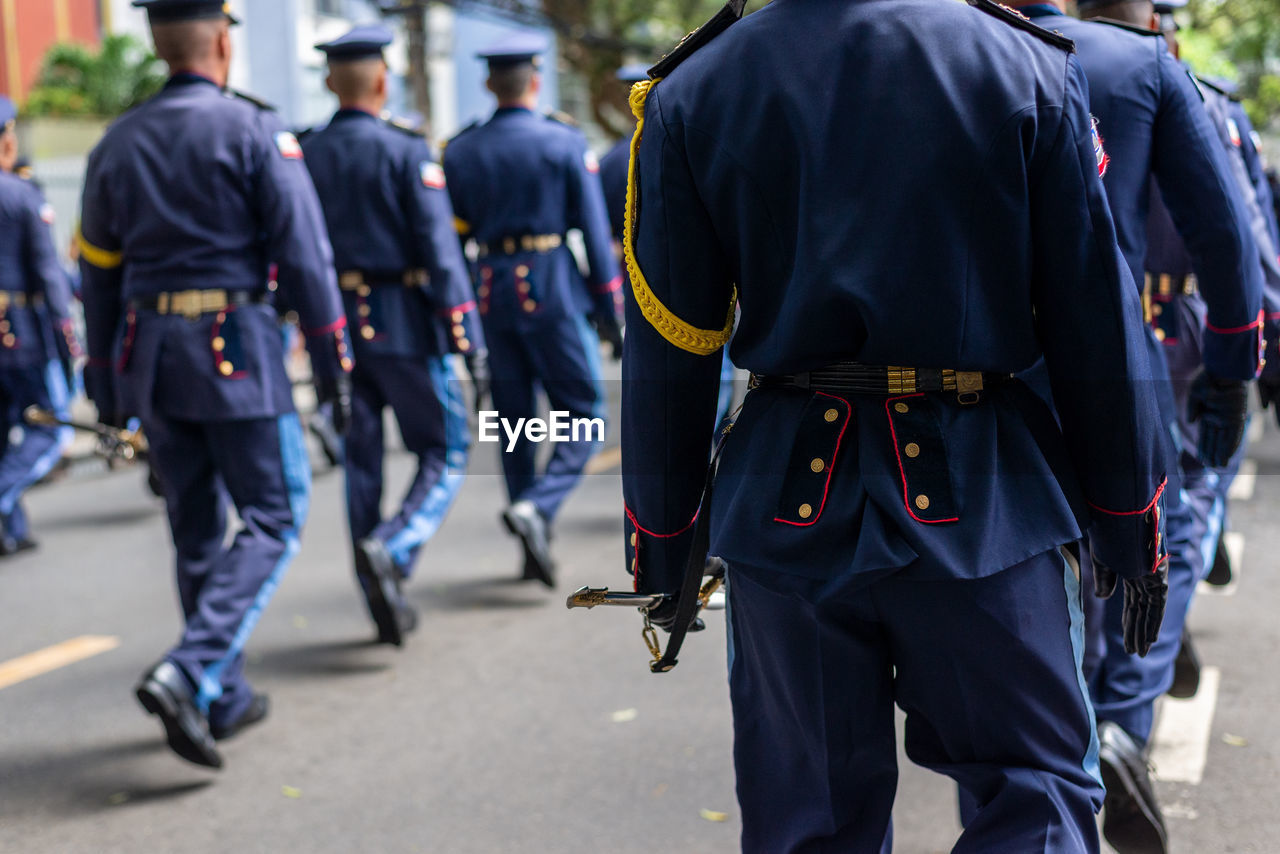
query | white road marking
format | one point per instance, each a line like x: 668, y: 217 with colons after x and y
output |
x: 1235, y: 550
x: 51, y: 658
x: 1246, y: 481
x: 1180, y: 745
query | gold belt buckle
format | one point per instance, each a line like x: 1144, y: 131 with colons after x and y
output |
x: 349, y: 280
x: 968, y: 387
x: 508, y: 246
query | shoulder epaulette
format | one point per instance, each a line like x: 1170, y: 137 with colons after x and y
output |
x: 561, y: 117
x: 1111, y: 22
x: 1205, y: 81
x: 728, y: 15
x: 1022, y: 22
x: 403, y: 125
x: 257, y: 102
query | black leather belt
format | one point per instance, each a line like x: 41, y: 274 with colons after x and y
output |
x: 520, y: 243
x: 194, y: 303
x: 885, y: 381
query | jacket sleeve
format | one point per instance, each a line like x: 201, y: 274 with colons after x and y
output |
x: 1203, y: 199
x: 298, y: 244
x: 45, y: 270
x: 669, y: 386
x: 435, y: 237
x: 1257, y: 175
x: 1090, y: 325
x: 587, y: 212
x: 101, y: 276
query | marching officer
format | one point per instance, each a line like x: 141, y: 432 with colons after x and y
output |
x: 188, y: 199
x: 409, y: 305
x: 519, y: 182
x: 890, y: 503
x: 1153, y: 123
x: 37, y: 343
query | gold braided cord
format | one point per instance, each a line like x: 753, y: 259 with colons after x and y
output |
x: 700, y: 342
x: 461, y: 225
x: 103, y: 259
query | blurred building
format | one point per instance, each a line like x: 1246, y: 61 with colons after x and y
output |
x: 28, y: 28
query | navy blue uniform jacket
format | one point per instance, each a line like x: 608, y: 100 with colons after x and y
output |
x: 200, y: 189
x: 917, y: 186
x: 388, y: 212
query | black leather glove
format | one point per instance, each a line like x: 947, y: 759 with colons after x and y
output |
x: 1221, y: 406
x: 1144, y: 602
x: 337, y: 390
x: 664, y: 616
x: 1269, y: 393
x: 482, y: 381
x: 610, y: 333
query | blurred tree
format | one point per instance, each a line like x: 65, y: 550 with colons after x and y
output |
x: 1246, y: 34
x: 77, y: 81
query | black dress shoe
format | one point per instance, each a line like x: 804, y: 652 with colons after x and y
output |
x: 406, y: 620
x: 380, y: 581
x: 1220, y: 574
x: 1131, y: 819
x: 9, y: 546
x: 255, y: 713
x: 525, y: 521
x: 164, y: 692
x: 1186, y: 670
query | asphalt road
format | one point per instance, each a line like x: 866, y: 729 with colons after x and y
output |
x: 506, y: 725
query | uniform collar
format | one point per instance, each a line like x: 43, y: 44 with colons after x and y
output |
x: 352, y: 113
x: 508, y: 111
x: 187, y: 78
x: 1039, y: 9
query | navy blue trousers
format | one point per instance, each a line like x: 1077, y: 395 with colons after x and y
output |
x: 987, y: 670
x: 26, y: 461
x: 260, y: 467
x: 561, y: 356
x: 430, y: 410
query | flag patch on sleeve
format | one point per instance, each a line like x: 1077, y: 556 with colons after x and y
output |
x: 1100, y: 153
x: 432, y: 176
x: 593, y: 164
x: 288, y: 145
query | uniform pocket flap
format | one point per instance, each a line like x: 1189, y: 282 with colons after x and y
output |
x: 921, y: 454
x: 813, y: 458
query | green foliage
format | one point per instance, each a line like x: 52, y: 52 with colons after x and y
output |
x: 77, y: 81
x: 1244, y: 34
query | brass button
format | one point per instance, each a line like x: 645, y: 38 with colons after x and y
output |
x: 530, y: 305
x: 346, y: 364
x: 367, y: 333
x: 817, y: 465
x: 222, y: 317
x: 457, y: 317
x: 523, y: 287
x: 219, y: 344
x: 459, y: 331
x: 227, y: 369
x: 1157, y: 310
x: 1159, y: 334
x: 483, y: 291
x: 922, y: 502
x: 364, y: 311
x: 522, y: 271
x: 806, y: 510
x: 363, y: 290
x: 831, y: 415
x: 4, y: 326
x: 901, y: 407
x: 633, y: 540
x: 464, y: 345
x: 9, y: 340
x: 912, y: 450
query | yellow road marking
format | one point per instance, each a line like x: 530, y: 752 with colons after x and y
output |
x: 51, y: 658
x: 605, y: 461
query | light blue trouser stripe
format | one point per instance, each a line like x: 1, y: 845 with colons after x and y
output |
x: 426, y: 520
x: 297, y: 479
x: 1076, y: 610
x: 1213, y: 525
x: 591, y: 345
x: 728, y: 622
x: 56, y: 384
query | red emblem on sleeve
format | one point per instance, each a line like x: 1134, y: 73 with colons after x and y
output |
x: 432, y: 176
x: 288, y: 145
x: 1104, y: 159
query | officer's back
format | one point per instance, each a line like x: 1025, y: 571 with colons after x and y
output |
x: 790, y: 221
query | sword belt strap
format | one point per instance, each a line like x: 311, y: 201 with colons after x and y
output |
x: 539, y: 243
x: 356, y: 280
x: 194, y: 303
x: 885, y: 381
